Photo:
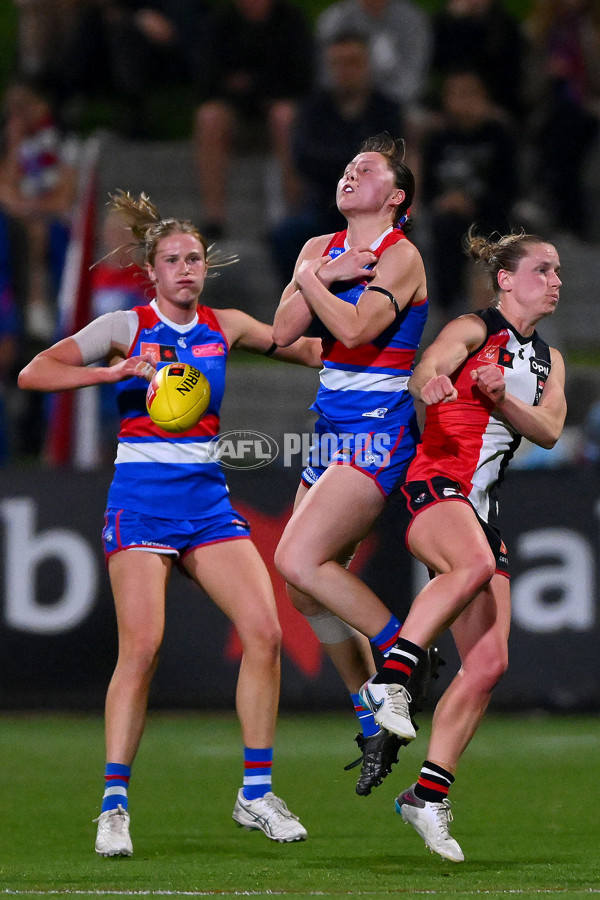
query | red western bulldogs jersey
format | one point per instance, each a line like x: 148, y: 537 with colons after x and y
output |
x: 156, y: 472
x: 369, y: 382
x: 468, y: 439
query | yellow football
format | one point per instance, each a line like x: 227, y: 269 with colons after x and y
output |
x: 177, y: 397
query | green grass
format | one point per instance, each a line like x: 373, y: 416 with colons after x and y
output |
x: 525, y: 803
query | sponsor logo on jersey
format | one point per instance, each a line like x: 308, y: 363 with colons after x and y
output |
x: 215, y: 349
x: 378, y: 413
x: 420, y: 499
x: 541, y: 384
x: 500, y: 356
x: 539, y: 367
x: 159, y: 352
x: 181, y: 343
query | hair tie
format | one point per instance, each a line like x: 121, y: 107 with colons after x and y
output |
x: 402, y: 219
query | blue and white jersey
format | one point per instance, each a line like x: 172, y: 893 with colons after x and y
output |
x: 367, y: 385
x: 160, y: 473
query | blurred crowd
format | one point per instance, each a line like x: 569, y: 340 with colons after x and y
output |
x: 500, y: 115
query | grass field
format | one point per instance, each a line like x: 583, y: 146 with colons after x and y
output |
x: 525, y: 804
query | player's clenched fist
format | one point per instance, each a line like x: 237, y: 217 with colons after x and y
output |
x: 490, y: 380
x: 438, y: 389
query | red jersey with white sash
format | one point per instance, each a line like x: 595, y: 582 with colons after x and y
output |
x: 468, y: 439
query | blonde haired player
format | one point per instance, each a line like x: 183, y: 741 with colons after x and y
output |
x: 168, y: 503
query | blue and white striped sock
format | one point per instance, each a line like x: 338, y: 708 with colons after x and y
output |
x: 365, y: 717
x: 116, y: 783
x: 257, y: 772
x: 387, y: 637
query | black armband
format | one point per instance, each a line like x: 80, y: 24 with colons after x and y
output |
x: 388, y: 294
x: 271, y: 349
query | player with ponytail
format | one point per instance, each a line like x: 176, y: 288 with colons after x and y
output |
x: 169, y: 505
x: 365, y: 290
x: 487, y: 380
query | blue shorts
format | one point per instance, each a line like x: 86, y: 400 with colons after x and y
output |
x: 128, y: 530
x: 381, y: 455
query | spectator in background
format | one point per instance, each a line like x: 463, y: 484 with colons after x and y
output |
x: 399, y: 34
x: 470, y: 173
x: 122, y: 49
x: 484, y: 36
x: 564, y: 86
x: 116, y: 283
x: 37, y: 189
x: 257, y: 66
x: 331, y: 123
x: 10, y: 337
x: 43, y: 26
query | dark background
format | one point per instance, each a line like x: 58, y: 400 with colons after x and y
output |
x: 58, y: 635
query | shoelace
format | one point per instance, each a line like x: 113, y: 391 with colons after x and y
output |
x: 399, y: 699
x: 279, y: 807
x: 444, y: 816
x: 119, y: 811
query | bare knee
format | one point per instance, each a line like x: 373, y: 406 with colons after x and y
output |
x: 139, y: 659
x: 292, y: 566
x: 484, y: 673
x: 479, y: 571
x: 261, y: 637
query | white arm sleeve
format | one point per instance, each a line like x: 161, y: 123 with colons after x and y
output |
x: 115, y: 329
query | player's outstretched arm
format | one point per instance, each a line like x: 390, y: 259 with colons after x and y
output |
x: 244, y: 332
x: 61, y: 368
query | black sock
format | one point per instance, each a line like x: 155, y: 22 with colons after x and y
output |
x: 400, y: 662
x: 434, y: 783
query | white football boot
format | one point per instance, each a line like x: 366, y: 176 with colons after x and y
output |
x: 431, y: 821
x: 389, y: 704
x: 112, y: 838
x: 270, y: 815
